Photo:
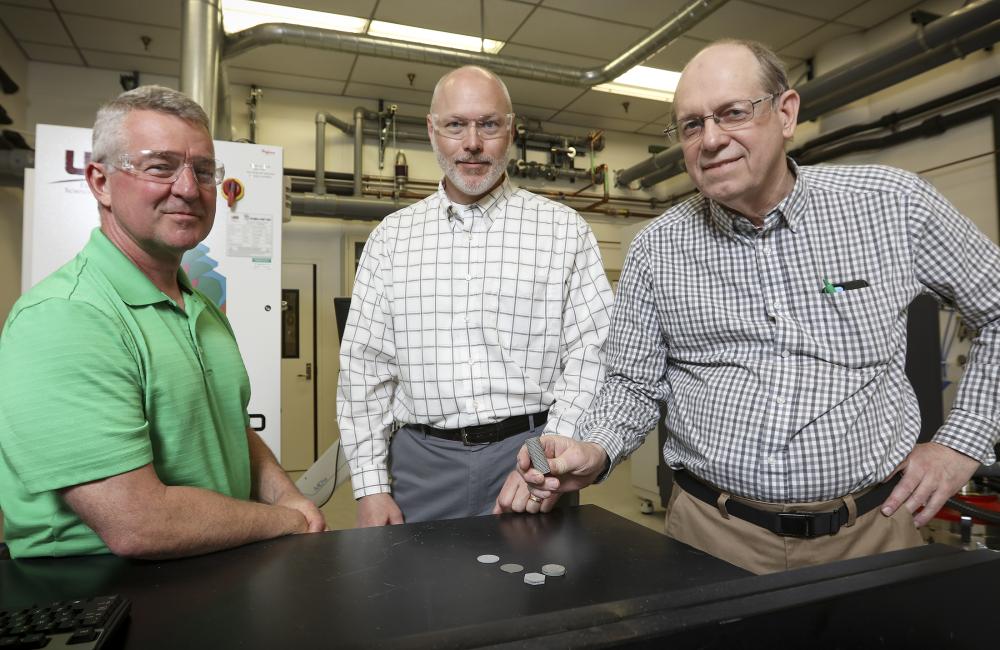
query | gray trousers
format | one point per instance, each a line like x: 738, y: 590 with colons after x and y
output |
x: 433, y: 478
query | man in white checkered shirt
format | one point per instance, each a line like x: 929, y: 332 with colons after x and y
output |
x: 768, y: 315
x: 477, y: 321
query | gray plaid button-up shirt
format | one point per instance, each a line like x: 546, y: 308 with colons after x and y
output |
x: 774, y: 388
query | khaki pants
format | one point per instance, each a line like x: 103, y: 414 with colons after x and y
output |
x: 757, y: 549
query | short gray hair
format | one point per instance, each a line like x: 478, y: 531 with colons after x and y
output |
x: 108, y: 127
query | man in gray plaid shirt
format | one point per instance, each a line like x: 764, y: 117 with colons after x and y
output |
x: 768, y: 315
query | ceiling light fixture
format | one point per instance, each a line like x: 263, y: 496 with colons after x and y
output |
x: 645, y: 82
x: 238, y: 15
x: 434, y: 37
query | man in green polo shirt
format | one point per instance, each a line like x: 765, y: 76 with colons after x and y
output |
x: 123, y: 408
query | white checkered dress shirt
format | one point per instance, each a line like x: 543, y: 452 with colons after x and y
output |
x: 467, y: 315
x: 773, y: 389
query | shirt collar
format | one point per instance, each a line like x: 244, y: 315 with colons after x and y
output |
x: 792, y: 209
x: 491, y: 204
x: 131, y: 284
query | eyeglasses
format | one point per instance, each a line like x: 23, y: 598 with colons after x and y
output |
x: 488, y: 127
x: 727, y: 118
x: 167, y: 167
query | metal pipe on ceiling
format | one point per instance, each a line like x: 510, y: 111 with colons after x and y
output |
x: 359, y: 137
x: 957, y: 48
x: 346, y: 207
x: 674, y: 168
x: 370, y: 208
x: 890, y: 120
x: 201, y: 47
x: 932, y: 126
x: 223, y: 129
x: 669, y: 162
x: 319, y: 187
x: 358, y: 130
x: 950, y: 39
x: 683, y: 20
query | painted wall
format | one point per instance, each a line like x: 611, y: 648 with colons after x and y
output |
x: 11, y: 199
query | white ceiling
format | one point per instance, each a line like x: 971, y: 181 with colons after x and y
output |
x: 580, y: 33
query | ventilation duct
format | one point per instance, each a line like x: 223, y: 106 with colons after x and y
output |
x: 962, y: 32
x: 201, y: 45
x: 279, y: 33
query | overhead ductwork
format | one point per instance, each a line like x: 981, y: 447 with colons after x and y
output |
x: 201, y: 58
x: 279, y: 33
x: 201, y: 46
x: 815, y: 149
x: 962, y: 32
x: 954, y: 36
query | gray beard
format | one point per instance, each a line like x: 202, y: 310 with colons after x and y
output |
x: 473, y: 186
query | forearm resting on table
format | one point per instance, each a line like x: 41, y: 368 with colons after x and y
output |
x: 138, y: 516
x: 268, y: 482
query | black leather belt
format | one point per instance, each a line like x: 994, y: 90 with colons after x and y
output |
x: 787, y: 524
x: 485, y: 433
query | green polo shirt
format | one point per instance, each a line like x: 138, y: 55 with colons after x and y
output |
x: 102, y: 373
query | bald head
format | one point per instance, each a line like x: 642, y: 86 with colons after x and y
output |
x: 750, y: 55
x: 470, y: 80
x: 719, y: 71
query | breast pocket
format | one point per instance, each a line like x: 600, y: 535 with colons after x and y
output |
x: 857, y: 328
x: 525, y: 311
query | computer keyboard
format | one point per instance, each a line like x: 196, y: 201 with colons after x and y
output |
x: 77, y: 624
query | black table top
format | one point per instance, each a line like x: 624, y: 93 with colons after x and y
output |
x: 420, y: 586
x: 415, y: 585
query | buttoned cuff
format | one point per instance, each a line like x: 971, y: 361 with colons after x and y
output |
x: 370, y: 480
x: 611, y: 443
